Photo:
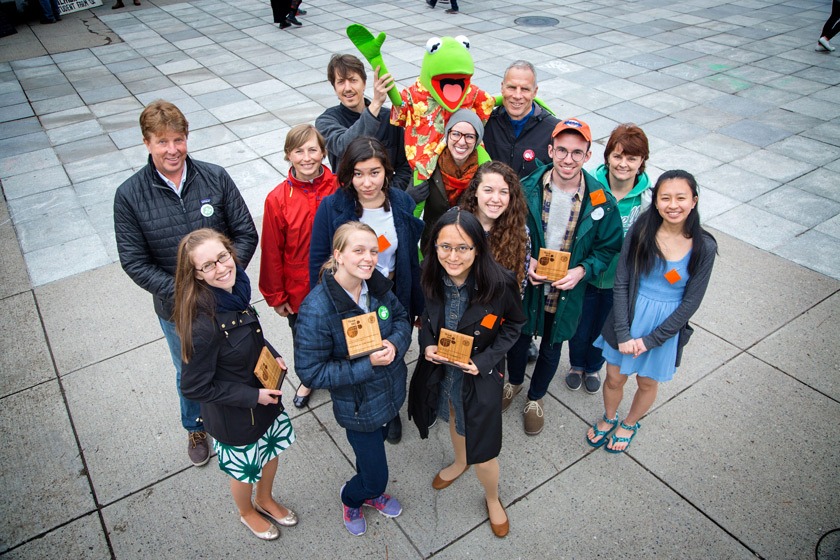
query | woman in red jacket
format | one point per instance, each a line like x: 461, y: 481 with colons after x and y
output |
x: 287, y: 227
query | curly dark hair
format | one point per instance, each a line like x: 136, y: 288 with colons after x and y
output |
x: 507, y: 238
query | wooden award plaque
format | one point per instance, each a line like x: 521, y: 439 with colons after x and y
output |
x: 362, y: 335
x: 268, y: 371
x: 553, y: 264
x: 454, y: 346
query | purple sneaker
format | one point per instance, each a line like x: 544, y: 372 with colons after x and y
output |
x: 386, y: 505
x: 353, y: 519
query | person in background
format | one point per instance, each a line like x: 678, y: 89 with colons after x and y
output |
x: 829, y: 30
x: 453, y: 6
x: 295, y: 10
x: 221, y: 343
x: 662, y: 276
x: 623, y: 175
x: 287, y: 228
x: 280, y: 10
x: 365, y: 194
x: 119, y: 4
x: 50, y: 12
x: 154, y: 209
x: 366, y: 391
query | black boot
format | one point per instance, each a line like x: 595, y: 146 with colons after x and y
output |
x: 394, y: 430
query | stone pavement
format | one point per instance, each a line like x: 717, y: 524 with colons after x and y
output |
x: 735, y: 460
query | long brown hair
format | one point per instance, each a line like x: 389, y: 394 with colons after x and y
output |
x: 191, y: 294
x: 507, y: 238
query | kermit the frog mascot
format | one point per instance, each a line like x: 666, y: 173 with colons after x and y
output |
x: 444, y: 86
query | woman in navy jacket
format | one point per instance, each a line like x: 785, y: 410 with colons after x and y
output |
x: 467, y: 292
x: 221, y: 341
x: 366, y: 391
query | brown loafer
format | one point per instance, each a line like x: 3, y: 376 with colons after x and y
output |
x: 439, y: 484
x: 501, y: 529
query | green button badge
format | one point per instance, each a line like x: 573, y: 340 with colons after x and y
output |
x: 383, y: 312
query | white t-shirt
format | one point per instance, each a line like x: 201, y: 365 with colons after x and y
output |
x: 382, y: 223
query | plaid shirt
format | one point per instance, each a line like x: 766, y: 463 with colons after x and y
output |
x: 553, y: 294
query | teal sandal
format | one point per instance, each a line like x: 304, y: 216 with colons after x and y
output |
x: 616, y: 439
x: 602, y: 433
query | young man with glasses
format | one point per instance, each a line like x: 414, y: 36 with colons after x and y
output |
x: 568, y: 210
x: 169, y: 197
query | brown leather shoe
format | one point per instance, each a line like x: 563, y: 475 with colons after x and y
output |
x: 509, y: 391
x: 534, y: 417
x: 502, y: 529
x: 198, y: 448
x: 439, y: 484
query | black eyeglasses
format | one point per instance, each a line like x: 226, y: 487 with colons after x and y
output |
x: 460, y: 249
x: 207, y: 267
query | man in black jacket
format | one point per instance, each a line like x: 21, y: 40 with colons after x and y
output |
x: 519, y: 132
x: 357, y: 116
x: 155, y: 208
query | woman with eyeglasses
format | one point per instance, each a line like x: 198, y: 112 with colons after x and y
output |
x: 466, y: 291
x: 455, y: 169
x: 221, y: 341
x: 364, y: 194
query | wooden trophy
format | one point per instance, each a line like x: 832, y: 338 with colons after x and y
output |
x: 268, y: 371
x: 362, y: 335
x: 454, y: 346
x: 553, y: 264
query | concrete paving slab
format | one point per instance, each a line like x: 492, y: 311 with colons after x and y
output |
x: 42, y: 498
x: 798, y: 205
x: 161, y: 519
x: 25, y: 358
x: 15, y: 279
x: 82, y: 538
x: 582, y: 493
x: 143, y: 381
x: 25, y: 185
x: 738, y: 479
x: 69, y: 258
x: 128, y: 321
x: 816, y: 249
x: 762, y: 229
x: 768, y: 292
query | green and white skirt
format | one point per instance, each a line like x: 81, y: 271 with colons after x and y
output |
x: 245, y: 462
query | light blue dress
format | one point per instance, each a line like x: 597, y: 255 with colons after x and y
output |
x: 656, y: 300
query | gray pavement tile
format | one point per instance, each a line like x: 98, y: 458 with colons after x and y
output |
x: 66, y: 117
x: 96, y: 166
x: 767, y: 290
x: 246, y: 77
x: 624, y: 89
x: 815, y: 73
x: 191, y: 76
x: 755, y: 394
x: 178, y: 66
x: 797, y: 85
x: 796, y: 123
x: 674, y: 130
x: 173, y: 94
x: 265, y: 143
x: 42, y: 205
x: 143, y: 379
x: 145, y: 73
x: 164, y: 521
x: 27, y: 163
x: 154, y: 83
x: 773, y: 166
x: 53, y: 230
x: 803, y: 348
x: 39, y: 499
x: 720, y: 147
x: 73, y: 257
x: 50, y: 92
x: 210, y: 136
x: 15, y: 112
x: 725, y: 83
x: 99, y: 190
x: 205, y: 86
x: 695, y: 92
x: 753, y: 132
x: 821, y: 181
x: 92, y: 146
x: 814, y: 250
x: 760, y: 228
x: 735, y: 183
x: 601, y: 127
x: 227, y: 155
x: 127, y: 137
x: 23, y: 144
x: 738, y: 105
x: 753, y: 74
x: 580, y: 494
x: 19, y: 127
x: 629, y: 111
x: 116, y: 106
x: 25, y: 356
x: 15, y: 279
x: 219, y: 98
x: 657, y: 80
x: 664, y: 102
x: 258, y: 124
x: 74, y: 132
x: 824, y: 110
x: 827, y: 132
x: 715, y: 204
x: 678, y: 157
x: 798, y: 205
x: 119, y: 121
x: 830, y: 227
x: 82, y: 538
x: 768, y: 94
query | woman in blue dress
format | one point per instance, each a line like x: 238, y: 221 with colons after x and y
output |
x: 662, y: 275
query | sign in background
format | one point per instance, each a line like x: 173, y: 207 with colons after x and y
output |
x: 67, y: 6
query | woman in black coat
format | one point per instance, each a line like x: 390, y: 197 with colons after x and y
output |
x: 221, y: 341
x: 467, y: 292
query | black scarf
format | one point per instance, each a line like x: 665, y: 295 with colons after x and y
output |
x: 239, y: 299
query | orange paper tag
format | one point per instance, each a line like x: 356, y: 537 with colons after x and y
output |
x: 597, y: 197
x: 383, y: 243
x: 673, y: 276
x: 488, y: 321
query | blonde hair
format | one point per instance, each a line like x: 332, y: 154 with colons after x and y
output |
x: 190, y: 292
x: 300, y: 135
x: 339, y: 243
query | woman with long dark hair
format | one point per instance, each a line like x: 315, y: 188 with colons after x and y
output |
x: 663, y: 271
x: 365, y: 194
x: 467, y: 291
x: 221, y: 341
x: 366, y: 391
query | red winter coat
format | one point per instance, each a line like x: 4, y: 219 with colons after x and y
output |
x: 286, y: 234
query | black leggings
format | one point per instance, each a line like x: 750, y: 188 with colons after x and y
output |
x: 832, y: 25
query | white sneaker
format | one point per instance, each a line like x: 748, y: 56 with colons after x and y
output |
x: 825, y: 44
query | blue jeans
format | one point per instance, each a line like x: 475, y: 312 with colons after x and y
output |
x: 50, y: 10
x: 597, y: 303
x: 547, y: 361
x: 371, y: 467
x: 190, y: 410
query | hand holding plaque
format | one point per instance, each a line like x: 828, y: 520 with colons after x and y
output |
x: 454, y: 347
x: 552, y: 264
x: 362, y: 335
x: 268, y: 371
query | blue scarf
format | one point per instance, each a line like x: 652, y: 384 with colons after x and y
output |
x: 239, y: 299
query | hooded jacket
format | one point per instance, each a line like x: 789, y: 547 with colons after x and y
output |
x: 502, y: 145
